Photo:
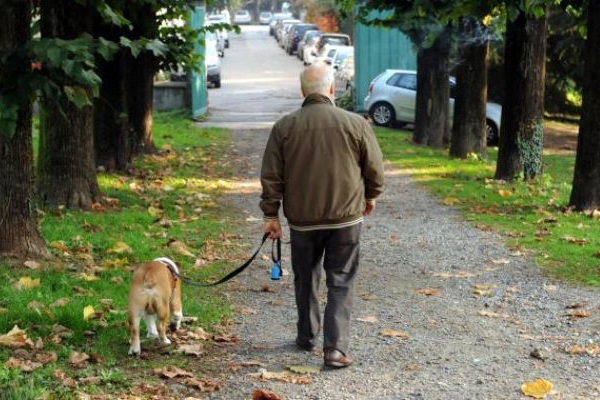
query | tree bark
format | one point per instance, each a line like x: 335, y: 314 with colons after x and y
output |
x: 433, y: 93
x: 522, y: 133
x: 19, y: 234
x: 66, y: 167
x: 113, y: 141
x: 585, y: 193
x: 468, y: 130
x: 140, y: 85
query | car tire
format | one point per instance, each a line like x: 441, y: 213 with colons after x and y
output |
x: 382, y: 114
x: 491, y: 133
x: 218, y: 82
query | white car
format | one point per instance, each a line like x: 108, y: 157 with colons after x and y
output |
x: 392, y: 97
x: 220, y: 19
x: 265, y: 17
x: 242, y: 17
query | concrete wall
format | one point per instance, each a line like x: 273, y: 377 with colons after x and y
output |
x: 171, y: 95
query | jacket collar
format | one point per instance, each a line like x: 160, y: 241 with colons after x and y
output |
x: 316, y: 98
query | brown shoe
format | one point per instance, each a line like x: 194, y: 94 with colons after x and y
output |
x: 334, y: 358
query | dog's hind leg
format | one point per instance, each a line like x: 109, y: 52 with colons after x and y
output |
x: 162, y: 314
x: 151, y: 325
x: 134, y: 328
x: 177, y: 318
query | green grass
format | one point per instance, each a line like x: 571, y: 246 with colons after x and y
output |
x: 533, y: 216
x: 172, y: 197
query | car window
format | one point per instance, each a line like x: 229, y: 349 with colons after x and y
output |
x: 404, y: 81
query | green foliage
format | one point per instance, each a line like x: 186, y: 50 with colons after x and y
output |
x: 532, y: 215
x: 171, y: 197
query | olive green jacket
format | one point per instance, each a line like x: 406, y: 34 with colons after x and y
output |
x: 323, y: 163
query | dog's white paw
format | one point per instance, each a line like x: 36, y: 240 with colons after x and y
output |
x: 165, y: 341
x: 134, y: 351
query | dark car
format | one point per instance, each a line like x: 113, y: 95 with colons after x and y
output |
x: 295, y: 34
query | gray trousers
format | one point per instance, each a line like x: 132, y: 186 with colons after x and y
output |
x: 338, y: 252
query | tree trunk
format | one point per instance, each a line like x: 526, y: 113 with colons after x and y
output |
x: 140, y: 85
x: 66, y: 167
x: 19, y: 234
x: 585, y: 194
x: 522, y: 133
x: 433, y: 93
x: 113, y: 141
x: 468, y: 130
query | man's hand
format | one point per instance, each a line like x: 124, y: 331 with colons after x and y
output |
x: 273, y: 228
x: 369, y: 207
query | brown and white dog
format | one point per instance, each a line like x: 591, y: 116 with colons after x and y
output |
x: 154, y: 294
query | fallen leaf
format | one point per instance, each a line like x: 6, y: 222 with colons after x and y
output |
x: 88, y: 311
x: 483, y: 289
x: 23, y: 365
x: 88, y: 277
x: 31, y: 264
x: 15, y: 338
x: 63, y: 301
x: 576, y: 305
x: 450, y: 201
x: 461, y: 275
x: 282, y: 376
x: 259, y: 394
x: 570, y: 239
x: 537, y: 389
x: 504, y: 193
x: 304, y: 369
x: 27, y: 282
x: 578, y: 314
x: 190, y: 349
x: 119, y: 248
x: 428, y: 292
x: 393, y: 333
x: 203, y: 385
x: 171, y: 371
x: 593, y: 349
x: 78, y: 359
x: 181, y: 248
x: 370, y: 319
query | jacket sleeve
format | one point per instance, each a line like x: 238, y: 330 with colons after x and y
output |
x: 271, y: 177
x: 371, y: 164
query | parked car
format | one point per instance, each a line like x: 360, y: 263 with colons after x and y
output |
x: 217, y: 40
x: 279, y: 25
x: 307, y: 38
x: 295, y: 34
x: 338, y: 39
x: 265, y: 17
x: 339, y: 55
x: 309, y: 50
x: 220, y: 19
x: 329, y: 52
x: 242, y: 17
x: 275, y: 19
x: 213, y: 64
x: 344, y: 75
x: 392, y: 97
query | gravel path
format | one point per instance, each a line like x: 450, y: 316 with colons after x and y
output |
x: 443, y: 311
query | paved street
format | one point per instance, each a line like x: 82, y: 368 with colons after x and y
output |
x: 259, y: 82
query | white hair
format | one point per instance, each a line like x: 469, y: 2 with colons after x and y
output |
x: 317, y: 78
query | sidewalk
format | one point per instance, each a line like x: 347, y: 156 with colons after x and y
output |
x: 443, y: 311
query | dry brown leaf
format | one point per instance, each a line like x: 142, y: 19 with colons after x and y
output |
x: 571, y: 239
x: 63, y: 301
x: 504, y: 317
x: 181, y: 248
x: 428, y: 292
x: 578, y: 314
x: 27, y: 282
x: 460, y: 275
x: 483, y: 289
x: 78, y: 360
x: 190, y: 349
x: 203, y: 385
x: 31, y: 264
x: 576, y: 306
x: 225, y: 339
x: 593, y: 349
x: 23, y: 365
x: 504, y: 193
x: 369, y: 318
x: 537, y: 389
x: 120, y: 248
x: 393, y: 333
x: 450, y: 201
x: 282, y: 376
x: 171, y: 371
x: 259, y: 394
x: 15, y: 338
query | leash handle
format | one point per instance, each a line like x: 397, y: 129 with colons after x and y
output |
x: 276, y: 271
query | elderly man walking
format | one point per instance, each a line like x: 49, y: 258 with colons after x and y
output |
x: 325, y: 166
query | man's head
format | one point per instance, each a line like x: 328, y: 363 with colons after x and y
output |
x: 317, y: 78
